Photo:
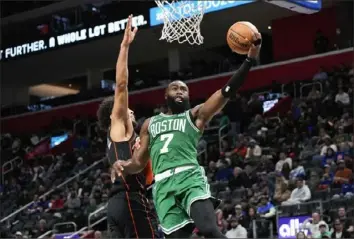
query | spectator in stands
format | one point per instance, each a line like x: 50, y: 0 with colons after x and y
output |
x: 80, y: 166
x: 225, y: 146
x: 321, y: 43
x: 104, y: 200
x: 73, y: 202
x: 281, y: 193
x: 24, y: 198
x: 38, y: 172
x: 256, y: 125
x: 321, y: 75
x: 300, y: 194
x: 18, y: 235
x: 40, y: 229
x: 98, y: 235
x: 26, y: 174
x: 35, y: 207
x: 343, y: 174
x: 283, y: 160
x: 328, y: 144
x: 211, y: 171
x: 314, y: 94
x: 241, y: 217
x: 41, y: 190
x: 14, y: 187
x: 347, y: 223
x: 240, y: 151
x: 91, y: 207
x: 339, y: 231
x: 327, y: 177
x: 238, y: 179
x: 80, y: 143
x: 255, y: 106
x: 227, y: 208
x: 348, y: 190
x: 342, y: 98
x: 323, y: 231
x: 224, y: 172
x: 220, y: 220
x: 297, y: 170
x: 16, y: 145
x: 301, y: 235
x: 266, y: 209
x: 224, y: 120
x: 57, y: 202
x: 202, y: 145
x: 254, y: 151
x: 330, y: 157
x: 252, y: 215
x: 313, y: 225
x: 237, y: 230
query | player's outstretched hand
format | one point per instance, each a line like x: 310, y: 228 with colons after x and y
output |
x: 118, y: 169
x: 256, y: 46
x: 129, y: 35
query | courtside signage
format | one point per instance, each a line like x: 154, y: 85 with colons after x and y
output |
x: 187, y: 9
x: 288, y: 227
x: 71, y: 38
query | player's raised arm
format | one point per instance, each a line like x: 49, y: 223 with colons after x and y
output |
x: 120, y: 107
x: 140, y: 157
x: 203, y: 114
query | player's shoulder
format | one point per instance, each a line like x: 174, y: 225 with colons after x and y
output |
x: 147, y: 123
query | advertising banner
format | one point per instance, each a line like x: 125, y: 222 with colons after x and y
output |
x: 288, y: 227
x: 79, y: 36
x: 189, y: 8
x: 67, y: 235
x: 186, y: 10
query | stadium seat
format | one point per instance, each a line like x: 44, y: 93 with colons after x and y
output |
x: 320, y: 195
x: 224, y: 195
x: 238, y: 193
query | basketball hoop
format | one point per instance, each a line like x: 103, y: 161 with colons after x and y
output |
x: 182, y: 20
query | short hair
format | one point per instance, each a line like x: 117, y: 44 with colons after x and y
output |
x: 104, y: 113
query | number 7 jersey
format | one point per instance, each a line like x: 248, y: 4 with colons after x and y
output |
x: 173, y: 141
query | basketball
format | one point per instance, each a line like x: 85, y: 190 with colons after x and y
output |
x: 239, y: 37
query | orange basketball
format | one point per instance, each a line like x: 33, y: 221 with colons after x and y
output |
x: 239, y: 37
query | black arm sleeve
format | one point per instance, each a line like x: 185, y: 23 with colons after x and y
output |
x: 237, y: 79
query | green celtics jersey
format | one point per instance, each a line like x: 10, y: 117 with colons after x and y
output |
x: 173, y: 141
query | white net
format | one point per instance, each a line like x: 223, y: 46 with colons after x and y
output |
x: 182, y: 20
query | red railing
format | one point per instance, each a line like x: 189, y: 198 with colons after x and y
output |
x: 262, y: 76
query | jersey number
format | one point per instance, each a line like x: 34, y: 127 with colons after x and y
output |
x: 167, y: 138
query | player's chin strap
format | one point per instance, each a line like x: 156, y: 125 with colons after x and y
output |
x: 239, y: 77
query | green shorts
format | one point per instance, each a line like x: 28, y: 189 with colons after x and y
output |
x: 174, y: 195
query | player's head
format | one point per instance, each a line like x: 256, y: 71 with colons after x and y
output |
x: 177, y: 97
x: 104, y: 113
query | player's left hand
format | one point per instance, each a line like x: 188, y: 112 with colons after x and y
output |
x: 129, y: 35
x: 256, y: 46
x: 118, y: 168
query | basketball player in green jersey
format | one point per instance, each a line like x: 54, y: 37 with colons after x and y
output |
x: 181, y: 191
